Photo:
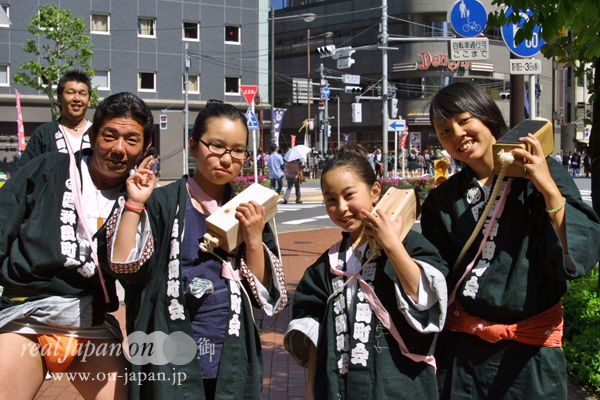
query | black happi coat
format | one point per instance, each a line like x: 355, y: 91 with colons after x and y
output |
x: 527, y: 275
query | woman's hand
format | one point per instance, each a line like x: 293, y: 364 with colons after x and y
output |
x: 141, y: 184
x: 385, y: 231
x: 536, y: 165
x: 252, y: 221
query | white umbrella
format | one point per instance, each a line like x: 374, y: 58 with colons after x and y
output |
x: 298, y: 152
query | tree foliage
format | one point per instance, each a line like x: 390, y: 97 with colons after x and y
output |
x: 60, y: 43
x: 571, y: 29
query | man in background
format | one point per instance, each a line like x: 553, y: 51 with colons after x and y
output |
x: 69, y: 133
x: 275, y: 164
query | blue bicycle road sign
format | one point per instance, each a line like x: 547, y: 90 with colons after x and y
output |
x: 467, y: 18
x: 527, y: 48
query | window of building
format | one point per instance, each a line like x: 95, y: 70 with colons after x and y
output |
x: 99, y: 23
x: 4, y: 75
x: 232, y: 34
x: 6, y: 8
x: 191, y: 30
x: 193, y: 83
x: 147, y: 82
x: 147, y: 27
x: 101, y: 79
x: 232, y: 85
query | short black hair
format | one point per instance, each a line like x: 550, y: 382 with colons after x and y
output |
x: 273, y: 148
x: 463, y: 97
x: 74, y: 75
x: 123, y: 105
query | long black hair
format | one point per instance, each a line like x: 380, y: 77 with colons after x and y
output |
x: 461, y: 97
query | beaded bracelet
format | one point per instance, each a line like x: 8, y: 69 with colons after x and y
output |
x: 134, y: 208
x: 557, y: 208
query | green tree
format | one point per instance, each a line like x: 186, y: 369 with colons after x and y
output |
x: 571, y: 29
x: 60, y: 43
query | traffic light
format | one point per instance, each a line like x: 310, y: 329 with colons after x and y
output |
x: 326, y: 51
x: 344, y: 63
x: 163, y: 121
x: 504, y: 96
x: 356, y: 112
x: 394, y: 109
x: 440, y: 171
x: 353, y: 89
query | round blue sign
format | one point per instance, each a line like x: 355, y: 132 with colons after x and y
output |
x: 325, y: 92
x: 527, y: 48
x: 467, y: 18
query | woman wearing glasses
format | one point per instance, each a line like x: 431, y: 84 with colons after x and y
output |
x: 153, y: 244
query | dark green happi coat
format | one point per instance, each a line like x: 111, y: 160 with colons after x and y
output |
x: 521, y: 272
x: 151, y: 308
x: 39, y: 250
x: 378, y: 370
x: 48, y: 138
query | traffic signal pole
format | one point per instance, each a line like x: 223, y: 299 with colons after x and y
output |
x: 384, y: 83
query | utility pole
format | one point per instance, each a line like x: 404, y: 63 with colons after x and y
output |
x: 384, y: 82
x: 325, y: 83
x: 186, y: 110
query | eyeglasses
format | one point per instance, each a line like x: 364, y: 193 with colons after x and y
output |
x: 216, y: 148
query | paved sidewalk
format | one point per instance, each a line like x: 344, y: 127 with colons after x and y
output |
x: 283, y: 378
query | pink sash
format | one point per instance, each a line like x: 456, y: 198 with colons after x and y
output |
x: 378, y: 308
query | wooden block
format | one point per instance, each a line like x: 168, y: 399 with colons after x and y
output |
x: 224, y: 226
x: 400, y: 202
x: 540, y: 128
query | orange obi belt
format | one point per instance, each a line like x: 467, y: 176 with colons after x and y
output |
x: 59, y: 351
x: 545, y: 329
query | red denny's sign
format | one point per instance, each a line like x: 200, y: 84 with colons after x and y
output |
x: 440, y: 60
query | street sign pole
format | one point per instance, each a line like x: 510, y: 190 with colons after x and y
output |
x: 395, y: 155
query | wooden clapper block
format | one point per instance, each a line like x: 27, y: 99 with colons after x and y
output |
x: 399, y: 202
x: 540, y: 128
x: 223, y: 228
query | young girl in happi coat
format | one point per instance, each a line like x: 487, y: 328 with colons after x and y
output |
x: 503, y: 335
x: 369, y: 336
x: 153, y: 245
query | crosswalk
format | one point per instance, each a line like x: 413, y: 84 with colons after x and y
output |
x: 290, y: 207
x: 586, y: 195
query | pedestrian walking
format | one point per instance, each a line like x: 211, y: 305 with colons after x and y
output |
x: 275, y: 164
x: 292, y: 175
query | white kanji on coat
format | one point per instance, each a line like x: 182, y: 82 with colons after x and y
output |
x: 67, y: 233
x: 337, y: 282
x: 88, y: 269
x: 173, y: 269
x: 342, y: 342
x: 236, y: 303
x: 68, y: 217
x: 338, y: 304
x: 67, y: 201
x: 368, y: 272
x: 68, y: 249
x: 360, y: 355
x: 176, y: 310
x: 341, y: 325
x: 173, y: 288
x: 481, y: 267
x: 174, y: 249
x: 235, y: 325
x: 361, y: 332
x: 488, y: 250
x: 471, y: 287
x: 343, y: 364
x: 363, y: 313
x: 175, y: 231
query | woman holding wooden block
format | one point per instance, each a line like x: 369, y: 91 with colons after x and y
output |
x: 367, y: 332
x: 153, y: 244
x: 503, y: 335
